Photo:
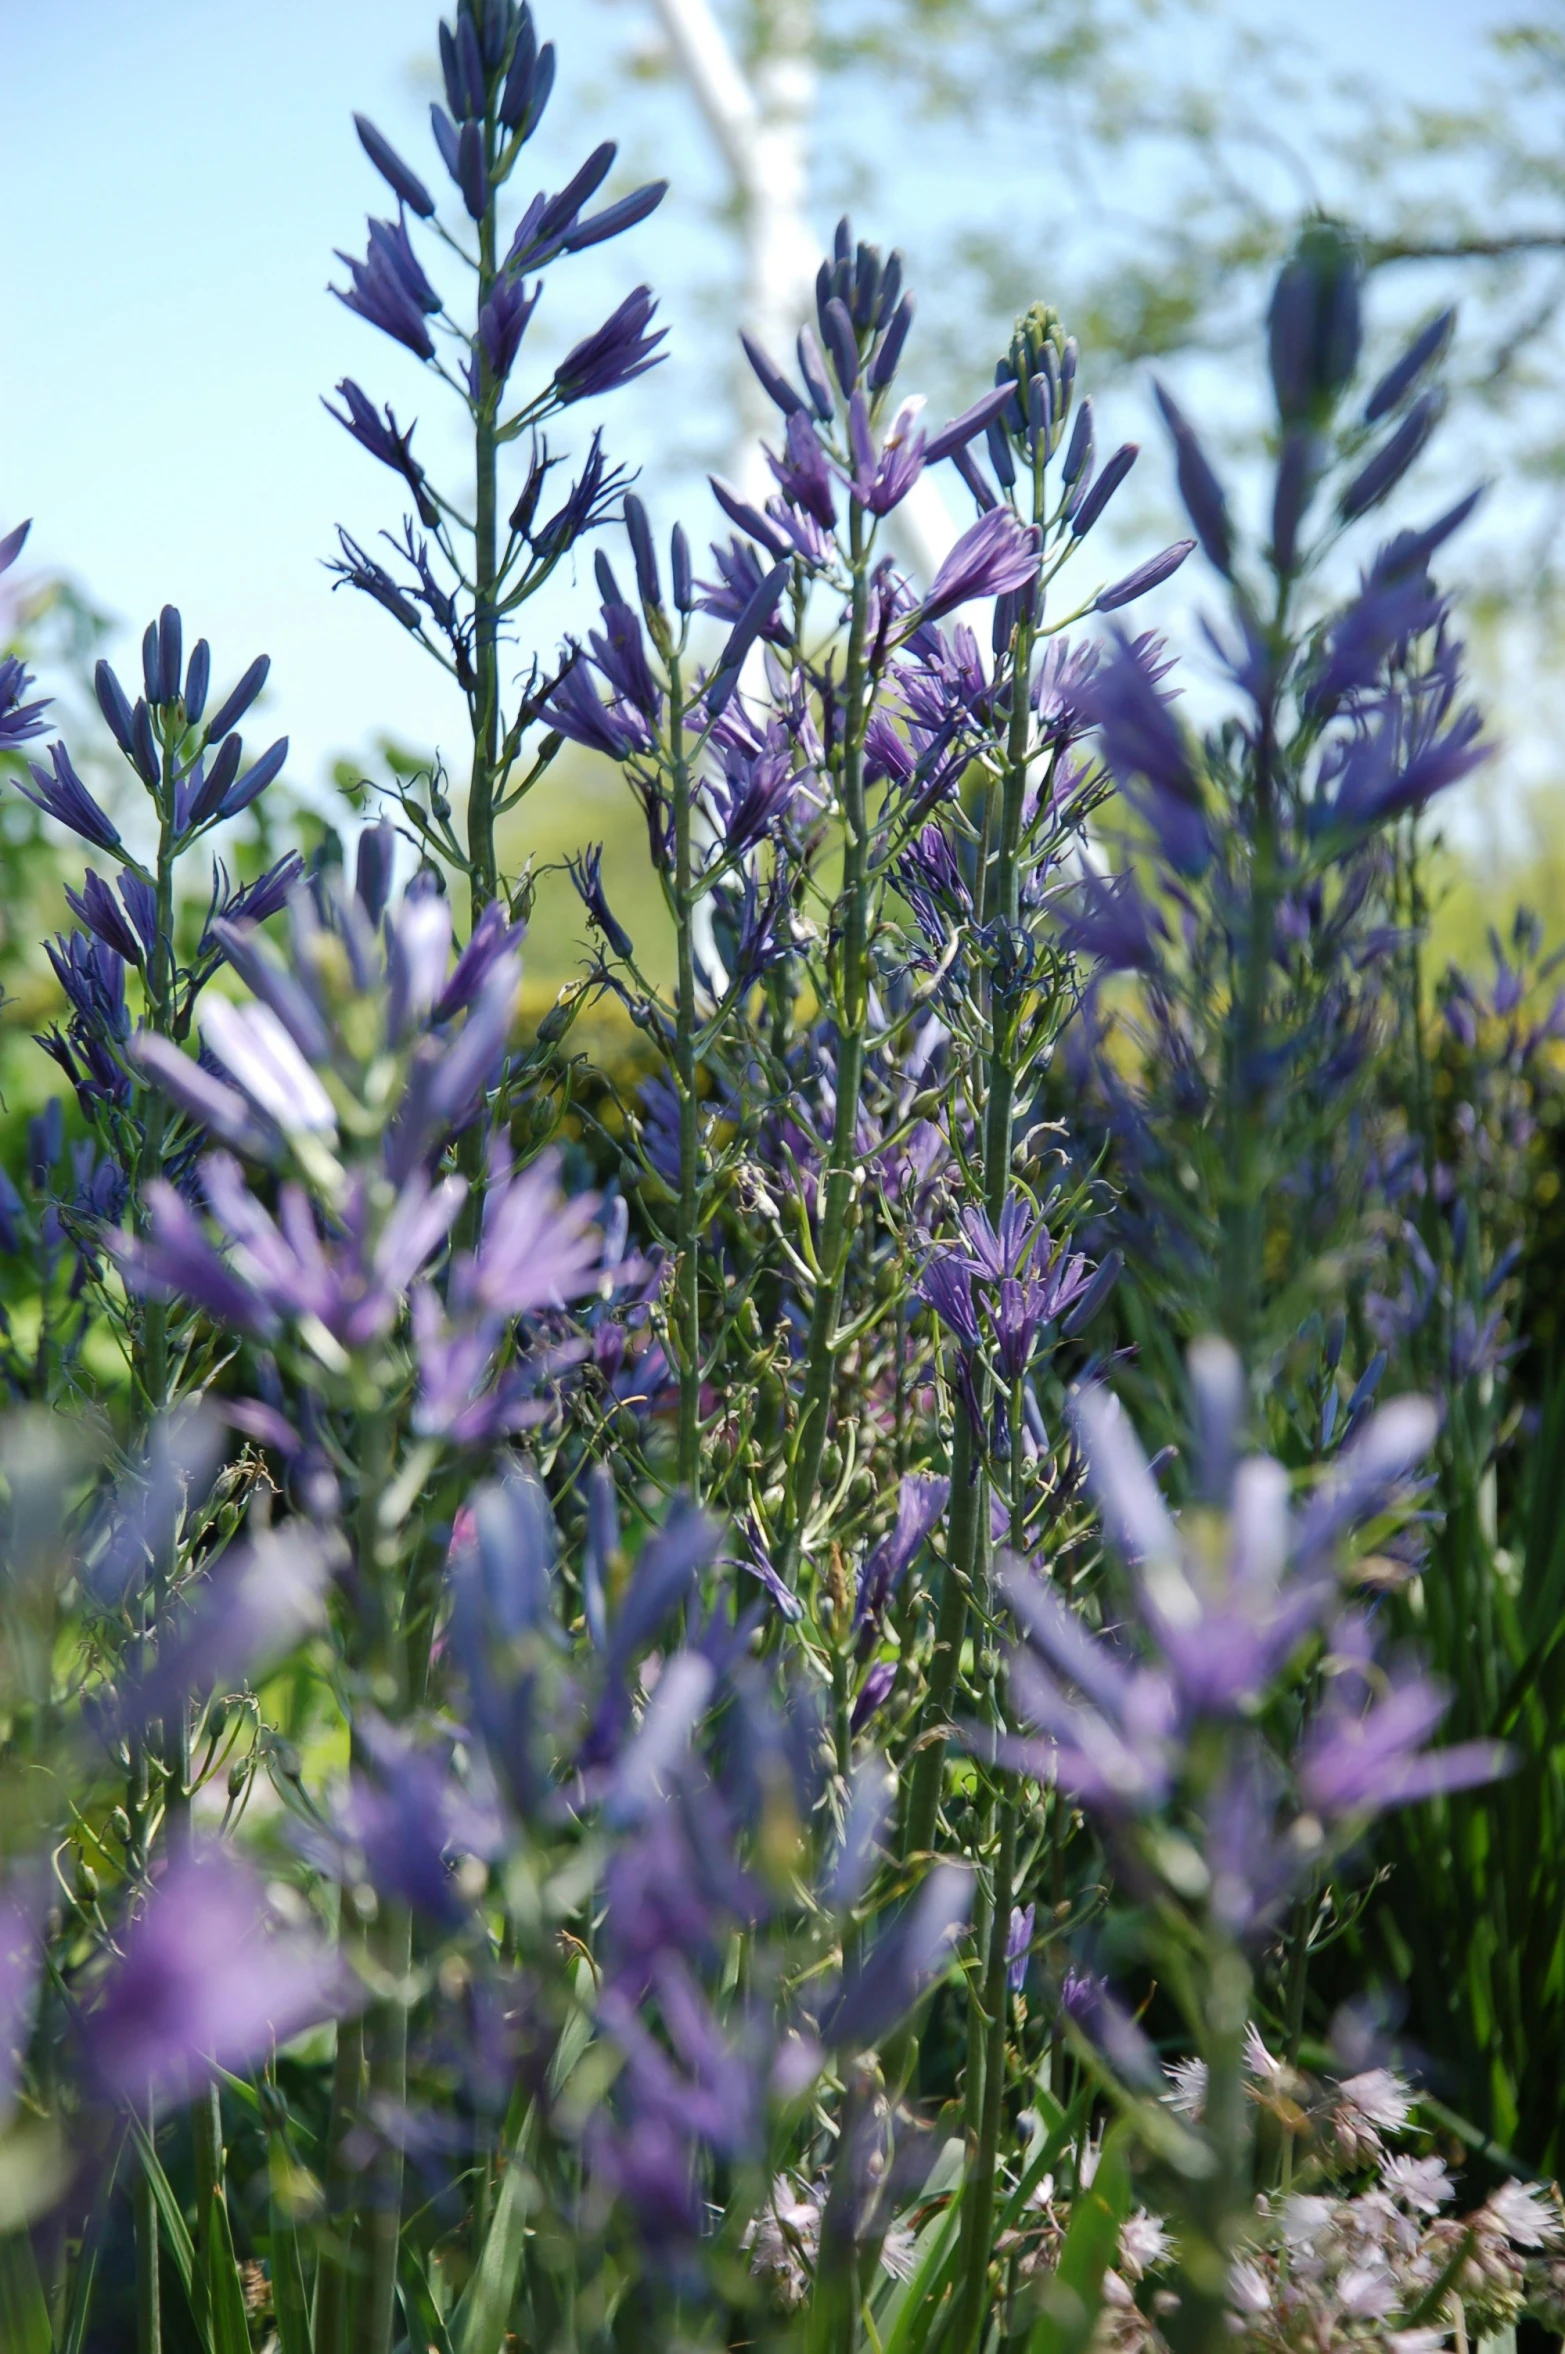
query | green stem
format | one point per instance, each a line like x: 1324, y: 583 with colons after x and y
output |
x: 334, y: 2271
x: 149, y: 2302
x: 386, y: 2055
x: 841, y: 1171
x: 688, y: 1282
x: 969, y: 1489
x: 979, y: 2196
x: 482, y: 869
x: 1220, y: 2204
x: 999, y: 1111
x: 968, y: 1497
x: 1242, y: 1219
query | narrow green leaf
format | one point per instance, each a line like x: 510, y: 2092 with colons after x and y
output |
x: 912, y: 2308
x: 478, y: 2325
x: 422, y: 2314
x: 24, y: 2310
x: 1073, y: 2299
x: 227, y: 2321
x: 290, y: 2300
x: 175, y: 2229
x: 79, y: 2310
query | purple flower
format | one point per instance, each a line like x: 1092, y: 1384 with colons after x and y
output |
x: 576, y: 711
x: 59, y: 792
x: 175, y: 1259
x: 880, y: 1992
x: 586, y: 873
x: 239, y: 698
x: 1365, y: 1754
x: 1404, y: 373
x: 1148, y: 754
x: 921, y: 1501
x: 205, y: 1980
x: 961, y: 430
x: 1199, y: 487
x: 993, y: 556
x: 201, y: 1095
x: 538, y: 1249
x: 1109, y: 920
x: 1224, y: 1628
x: 389, y: 289
x: 1094, y: 492
x: 96, y: 907
x: 406, y: 1822
x: 1380, y: 476
x: 751, y: 622
x: 494, y: 947
x: 23, y: 1901
x: 385, y: 440
x: 1149, y: 575
x: 503, y: 322
x: 404, y: 183
x: 1018, y: 1945
x: 620, y: 350
x: 873, y: 1693
x: 948, y: 1287
x: 19, y: 721
x: 263, y: 1059
x: 758, y: 790
x: 803, y: 472
x: 256, y: 1606
x: 1113, y: 1746
x: 589, y: 501
x: 881, y: 479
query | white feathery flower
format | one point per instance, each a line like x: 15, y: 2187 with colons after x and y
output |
x: 1187, y: 2087
x: 1420, y: 2183
x: 1143, y: 2244
x: 1366, y: 2292
x: 1526, y: 2214
x: 1249, y: 2292
x: 1258, y: 2061
x: 1380, y: 2096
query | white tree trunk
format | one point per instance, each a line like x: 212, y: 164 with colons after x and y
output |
x: 761, y: 127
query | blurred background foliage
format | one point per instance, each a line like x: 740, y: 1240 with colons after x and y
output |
x: 1141, y: 163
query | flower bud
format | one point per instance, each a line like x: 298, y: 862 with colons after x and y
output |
x: 639, y: 532
x: 239, y: 699
x: 679, y: 565
x: 1400, y: 378
x: 197, y: 678
x: 115, y: 706
x: 144, y: 747
x: 837, y: 329
x: 171, y: 655
x: 1314, y: 324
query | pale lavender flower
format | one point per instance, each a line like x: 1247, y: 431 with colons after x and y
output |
x: 59, y: 792
x: 1145, y: 748
x: 205, y: 1978
x: 22, y: 1907
x: 1018, y: 1945
x: 407, y: 1823
x: 620, y: 350
x: 903, y: 1964
x: 1362, y: 1755
x: 256, y: 1605
x: 265, y: 1063
x: 538, y: 1248
x: 993, y: 556
x: 921, y: 1503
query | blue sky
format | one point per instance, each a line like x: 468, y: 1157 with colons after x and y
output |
x: 176, y: 176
